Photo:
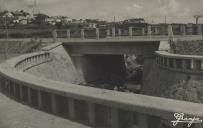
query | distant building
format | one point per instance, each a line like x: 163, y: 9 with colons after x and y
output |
x: 21, y: 17
x: 135, y: 21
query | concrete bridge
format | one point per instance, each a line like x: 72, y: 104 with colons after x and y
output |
x: 95, y: 107
x: 92, y: 58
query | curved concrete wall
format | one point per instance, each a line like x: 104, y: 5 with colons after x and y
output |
x: 33, y: 60
x: 182, y: 63
x: 175, y: 76
x: 86, y: 104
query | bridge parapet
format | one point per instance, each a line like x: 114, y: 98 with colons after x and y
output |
x: 182, y: 63
x: 92, y: 106
x: 33, y: 60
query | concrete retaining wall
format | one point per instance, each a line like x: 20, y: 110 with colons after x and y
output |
x: 175, y: 76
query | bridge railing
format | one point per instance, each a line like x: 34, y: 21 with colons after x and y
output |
x: 177, y: 62
x: 106, y: 32
x: 112, y: 33
x: 33, y: 60
x: 92, y: 106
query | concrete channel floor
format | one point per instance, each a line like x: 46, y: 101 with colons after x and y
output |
x: 17, y: 115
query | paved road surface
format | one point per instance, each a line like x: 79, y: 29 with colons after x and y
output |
x: 17, y: 115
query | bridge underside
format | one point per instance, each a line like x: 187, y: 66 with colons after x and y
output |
x: 101, y: 69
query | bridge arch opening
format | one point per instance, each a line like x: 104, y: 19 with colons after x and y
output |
x: 111, y: 71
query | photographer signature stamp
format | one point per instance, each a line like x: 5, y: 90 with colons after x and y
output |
x: 180, y: 118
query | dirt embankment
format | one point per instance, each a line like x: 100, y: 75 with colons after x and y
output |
x: 175, y: 85
x: 188, y: 47
x: 10, y: 49
x: 61, y: 68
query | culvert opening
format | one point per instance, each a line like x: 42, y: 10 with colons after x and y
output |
x: 114, y: 72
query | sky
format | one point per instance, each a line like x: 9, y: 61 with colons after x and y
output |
x: 154, y: 11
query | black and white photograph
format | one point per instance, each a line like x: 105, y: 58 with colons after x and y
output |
x: 101, y: 63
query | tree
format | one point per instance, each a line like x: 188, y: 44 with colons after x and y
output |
x: 40, y: 18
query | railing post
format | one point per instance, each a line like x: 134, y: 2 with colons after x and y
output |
x: 143, y: 31
x: 53, y: 103
x: 71, y: 108
x: 97, y: 33
x: 192, y: 64
x: 149, y: 30
x: 114, y: 118
x: 156, y: 31
x: 82, y: 34
x: 119, y: 32
x: 183, y: 64
x: 68, y: 33
x: 113, y: 32
x: 201, y: 64
x: 23, y: 64
x: 130, y: 31
x: 108, y: 33
x: 183, y: 30
x: 91, y: 113
x: 170, y: 31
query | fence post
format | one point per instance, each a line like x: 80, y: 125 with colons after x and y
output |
x: 82, y: 34
x: 113, y: 32
x: 149, y: 31
x: 68, y: 33
x: 97, y: 33
x: 108, y: 33
x: 130, y: 31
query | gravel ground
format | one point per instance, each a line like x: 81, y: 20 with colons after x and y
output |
x: 17, y: 115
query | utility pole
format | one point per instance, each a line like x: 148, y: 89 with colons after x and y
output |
x: 6, y: 28
x: 34, y: 7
